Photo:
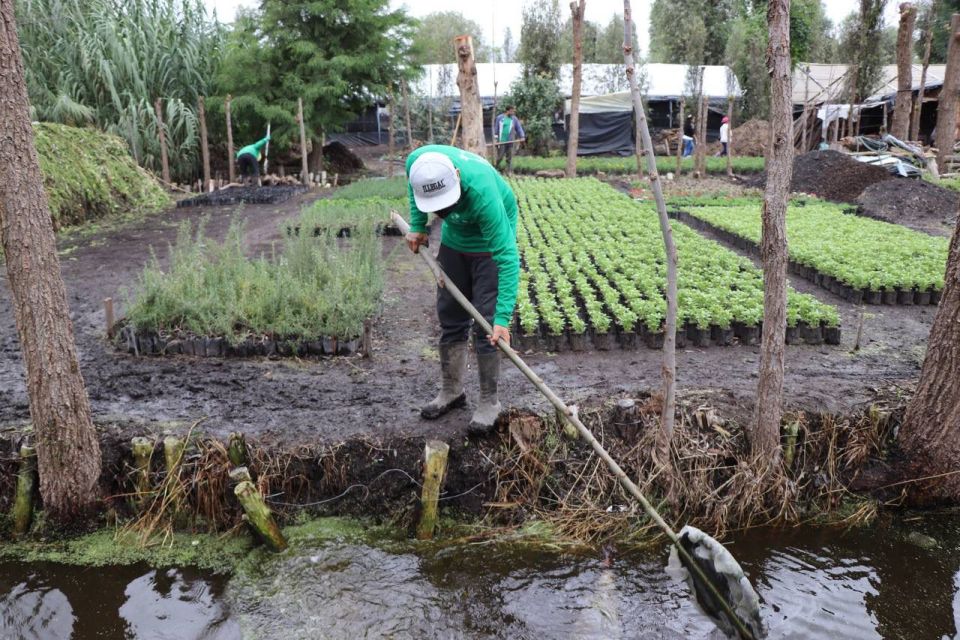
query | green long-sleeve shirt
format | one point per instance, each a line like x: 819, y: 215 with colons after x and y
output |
x: 254, y: 149
x: 483, y: 221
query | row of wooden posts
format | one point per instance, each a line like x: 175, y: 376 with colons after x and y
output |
x: 256, y: 512
x: 305, y: 175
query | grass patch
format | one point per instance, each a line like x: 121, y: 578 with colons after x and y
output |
x: 317, y: 287
x: 336, y: 214
x: 395, y: 187
x: 628, y: 165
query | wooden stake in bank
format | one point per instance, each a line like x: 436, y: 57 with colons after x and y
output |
x: 26, y: 490
x: 259, y: 515
x: 142, y: 453
x: 237, y: 449
x: 434, y: 471
x: 692, y: 565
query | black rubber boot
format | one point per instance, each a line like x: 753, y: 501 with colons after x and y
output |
x: 488, y: 409
x: 453, y: 365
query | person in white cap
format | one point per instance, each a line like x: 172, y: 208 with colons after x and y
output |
x: 478, y: 252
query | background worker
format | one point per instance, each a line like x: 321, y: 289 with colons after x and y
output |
x: 688, y: 133
x: 478, y: 252
x: 724, y: 137
x: 506, y: 131
x: 248, y: 160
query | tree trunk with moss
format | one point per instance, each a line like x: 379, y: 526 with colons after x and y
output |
x: 67, y: 448
x: 930, y: 434
x: 900, y: 128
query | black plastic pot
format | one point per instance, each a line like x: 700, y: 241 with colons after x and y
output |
x: 747, y: 335
x: 922, y: 297
x: 700, y: 337
x: 852, y: 295
x: 905, y: 296
x: 348, y: 347
x: 793, y: 335
x: 653, y: 339
x: 890, y: 296
x: 578, y: 341
x: 721, y: 336
x: 629, y: 340
x: 871, y: 296
x: 831, y: 335
x: 681, y: 337
x: 552, y: 342
x: 935, y: 295
x: 812, y: 335
x: 602, y: 341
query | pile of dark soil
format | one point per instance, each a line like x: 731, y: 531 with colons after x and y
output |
x: 834, y: 176
x: 749, y: 139
x: 913, y: 203
x: 338, y: 158
x: 244, y: 195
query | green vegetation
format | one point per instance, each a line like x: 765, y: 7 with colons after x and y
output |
x: 594, y: 257
x: 858, y: 252
x: 88, y: 174
x: 103, y: 63
x: 373, y: 188
x: 316, y: 288
x: 628, y: 165
x: 366, y: 202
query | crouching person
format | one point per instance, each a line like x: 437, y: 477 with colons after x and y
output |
x: 478, y: 252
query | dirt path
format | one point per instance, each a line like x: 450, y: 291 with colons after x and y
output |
x: 331, y: 400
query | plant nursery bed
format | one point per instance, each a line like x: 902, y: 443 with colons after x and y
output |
x: 244, y: 195
x: 153, y: 343
x: 594, y: 274
x: 859, y: 259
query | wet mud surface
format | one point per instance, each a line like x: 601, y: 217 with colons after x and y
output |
x: 327, y: 401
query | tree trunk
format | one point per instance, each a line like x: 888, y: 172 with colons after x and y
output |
x: 470, y: 107
x: 730, y: 136
x: 204, y: 144
x: 231, y: 161
x: 67, y: 447
x: 904, y: 102
x: 316, y: 154
x: 573, y: 133
x: 683, y: 104
x: 930, y: 434
x: 805, y: 140
x: 765, y: 431
x: 406, y: 114
x: 391, y: 139
x: 669, y: 365
x: 304, y: 169
x: 162, y: 132
x: 918, y: 107
x: 700, y: 156
x: 947, y: 109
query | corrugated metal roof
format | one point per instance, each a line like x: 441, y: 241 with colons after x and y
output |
x: 820, y: 83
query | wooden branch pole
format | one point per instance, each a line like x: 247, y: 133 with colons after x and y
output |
x: 928, y: 44
x: 456, y: 129
x: 434, y: 472
x: 304, y: 170
x: 173, y: 449
x: 570, y: 414
x: 391, y: 141
x: 669, y: 365
x: 406, y: 114
x: 162, y: 133
x: 702, y: 135
x: 231, y: 161
x: 108, y: 316
x: 730, y: 136
x: 947, y: 109
x: 204, y: 143
x: 26, y: 491
x: 573, y: 132
x: 259, y: 516
x: 683, y: 105
x: 142, y: 454
x: 471, y: 108
x: 237, y: 449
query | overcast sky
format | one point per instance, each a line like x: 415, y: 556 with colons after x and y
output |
x: 494, y: 15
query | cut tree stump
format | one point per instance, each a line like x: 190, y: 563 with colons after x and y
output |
x: 434, y: 472
x: 259, y: 516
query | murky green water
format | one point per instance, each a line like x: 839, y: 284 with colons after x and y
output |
x: 870, y: 583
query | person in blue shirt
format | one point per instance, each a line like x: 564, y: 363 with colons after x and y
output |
x: 506, y: 130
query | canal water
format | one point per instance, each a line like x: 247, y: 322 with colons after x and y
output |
x: 878, y: 582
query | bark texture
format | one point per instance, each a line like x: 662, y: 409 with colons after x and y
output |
x: 162, y: 133
x: 669, y: 365
x: 67, y: 447
x: 928, y: 44
x: 304, y: 169
x: 947, y: 109
x: 765, y: 431
x: 700, y: 150
x: 470, y: 107
x: 900, y: 128
x: 683, y: 104
x: 406, y: 114
x: 204, y: 142
x: 930, y: 434
x: 730, y: 136
x: 573, y: 134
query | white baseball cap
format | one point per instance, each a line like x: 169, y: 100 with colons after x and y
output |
x: 435, y: 182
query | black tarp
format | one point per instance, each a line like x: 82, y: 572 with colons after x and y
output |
x: 606, y: 133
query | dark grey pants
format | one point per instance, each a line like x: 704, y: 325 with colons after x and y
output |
x: 505, y: 150
x: 477, y: 276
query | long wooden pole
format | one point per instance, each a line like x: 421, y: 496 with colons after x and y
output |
x: 391, y: 139
x: 669, y: 365
x: 231, y: 161
x: 204, y: 143
x: 918, y: 106
x: 947, y: 110
x: 406, y: 114
x: 571, y: 415
x: 162, y: 131
x: 304, y: 169
x: 573, y: 132
x: 730, y: 136
x: 683, y: 104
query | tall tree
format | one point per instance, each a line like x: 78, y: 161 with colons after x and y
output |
x: 509, y: 48
x: 938, y: 12
x: 435, y: 32
x: 540, y: 35
x: 765, y: 431
x: 690, y: 31
x: 904, y: 101
x: 865, y: 50
x: 336, y: 60
x: 67, y: 448
x: 947, y: 106
x: 927, y: 49
x: 610, y: 41
x: 576, y: 9
x: 930, y: 435
x: 589, y: 37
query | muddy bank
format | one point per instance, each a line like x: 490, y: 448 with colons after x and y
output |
x: 916, y: 204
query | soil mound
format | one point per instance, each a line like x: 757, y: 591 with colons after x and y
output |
x: 749, y: 139
x: 834, y: 176
x: 913, y: 203
x: 339, y: 159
